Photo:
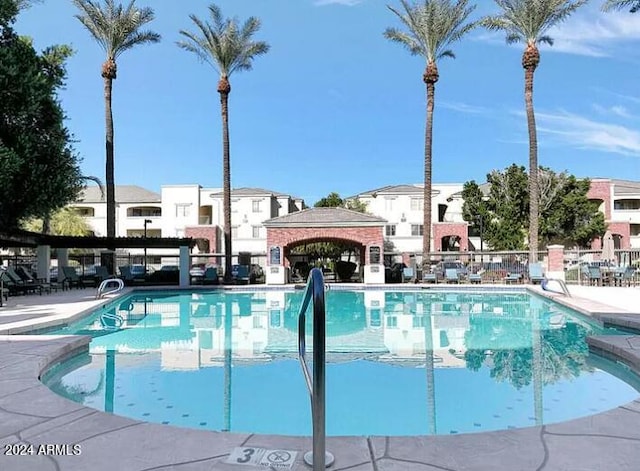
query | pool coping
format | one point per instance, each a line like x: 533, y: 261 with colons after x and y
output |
x: 32, y: 414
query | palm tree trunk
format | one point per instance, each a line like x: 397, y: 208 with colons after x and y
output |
x: 534, y: 197
x: 428, y: 143
x: 226, y: 184
x: 109, y: 167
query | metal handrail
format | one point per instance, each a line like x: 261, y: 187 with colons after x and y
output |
x: 562, y: 284
x: 100, y: 292
x: 319, y: 458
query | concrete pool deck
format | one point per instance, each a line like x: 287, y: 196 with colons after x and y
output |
x: 30, y: 414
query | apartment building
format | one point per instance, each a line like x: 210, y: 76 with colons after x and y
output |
x: 620, y: 202
x: 189, y: 211
x: 194, y: 211
x: 402, y: 206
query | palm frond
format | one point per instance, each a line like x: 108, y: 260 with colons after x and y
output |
x: 222, y: 43
x: 115, y: 28
x: 97, y: 181
x: 529, y: 20
x: 432, y: 26
x: 633, y: 5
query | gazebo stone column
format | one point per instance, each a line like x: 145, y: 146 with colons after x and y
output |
x: 63, y: 261
x: 184, y: 266
x: 555, y: 262
x: 44, y: 261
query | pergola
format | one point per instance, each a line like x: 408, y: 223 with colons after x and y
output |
x: 43, y: 243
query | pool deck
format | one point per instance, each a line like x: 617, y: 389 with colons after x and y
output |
x: 30, y: 414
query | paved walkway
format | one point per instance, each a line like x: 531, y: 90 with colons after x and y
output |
x: 49, y: 432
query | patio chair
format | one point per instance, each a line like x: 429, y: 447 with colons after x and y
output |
x: 429, y: 278
x: 407, y: 274
x: 594, y: 275
x: 102, y: 274
x: 243, y: 274
x: 624, y: 277
x: 210, y: 276
x: 535, y: 273
x: 451, y: 275
x: 475, y: 278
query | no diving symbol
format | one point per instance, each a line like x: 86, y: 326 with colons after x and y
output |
x: 279, y: 457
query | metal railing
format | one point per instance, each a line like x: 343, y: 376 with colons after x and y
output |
x: 562, y: 284
x: 101, y: 291
x: 319, y: 458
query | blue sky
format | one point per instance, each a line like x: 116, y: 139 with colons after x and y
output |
x: 334, y: 106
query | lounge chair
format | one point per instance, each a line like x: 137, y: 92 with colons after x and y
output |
x: 13, y: 287
x: 102, y: 274
x: 210, y: 276
x: 30, y: 280
x: 71, y: 279
x: 535, y: 273
x: 451, y: 275
x: 28, y: 286
x: 513, y: 278
x: 407, y: 274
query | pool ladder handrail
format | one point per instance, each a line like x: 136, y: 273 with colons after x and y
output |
x: 319, y: 458
x: 100, y: 292
x: 562, y: 284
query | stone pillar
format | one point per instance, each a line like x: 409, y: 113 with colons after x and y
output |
x: 374, y: 267
x: 184, y: 266
x: 277, y: 273
x: 63, y: 261
x: 44, y: 261
x: 555, y: 262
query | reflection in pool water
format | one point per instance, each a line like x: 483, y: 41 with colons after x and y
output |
x: 400, y: 363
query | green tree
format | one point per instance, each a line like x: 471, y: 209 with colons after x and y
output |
x: 332, y: 200
x: 528, y: 21
x: 116, y: 30
x: 566, y: 215
x: 227, y: 47
x: 65, y: 221
x: 38, y: 167
x: 633, y: 5
x: 431, y: 27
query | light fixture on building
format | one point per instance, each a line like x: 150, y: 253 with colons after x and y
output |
x: 403, y: 218
x: 245, y: 218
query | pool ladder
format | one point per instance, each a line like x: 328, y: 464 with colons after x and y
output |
x: 318, y: 458
x: 562, y: 284
x: 100, y: 292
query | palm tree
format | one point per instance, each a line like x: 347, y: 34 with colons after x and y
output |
x: 227, y: 47
x: 116, y: 29
x: 621, y: 5
x: 528, y: 21
x: 431, y: 27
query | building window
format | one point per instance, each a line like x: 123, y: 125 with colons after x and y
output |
x: 255, y: 206
x: 417, y: 204
x: 234, y: 232
x: 145, y: 211
x: 183, y: 210
x: 234, y: 205
x: 392, y: 321
x: 390, y: 230
x: 388, y: 204
x: 84, y: 212
x: 417, y: 229
x: 255, y: 232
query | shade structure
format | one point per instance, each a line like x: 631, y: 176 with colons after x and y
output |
x: 608, y: 248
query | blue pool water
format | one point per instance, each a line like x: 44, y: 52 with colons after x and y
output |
x: 399, y: 363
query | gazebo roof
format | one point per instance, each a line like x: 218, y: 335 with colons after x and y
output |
x: 326, y: 217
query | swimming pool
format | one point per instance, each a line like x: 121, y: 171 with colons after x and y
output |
x: 399, y: 363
